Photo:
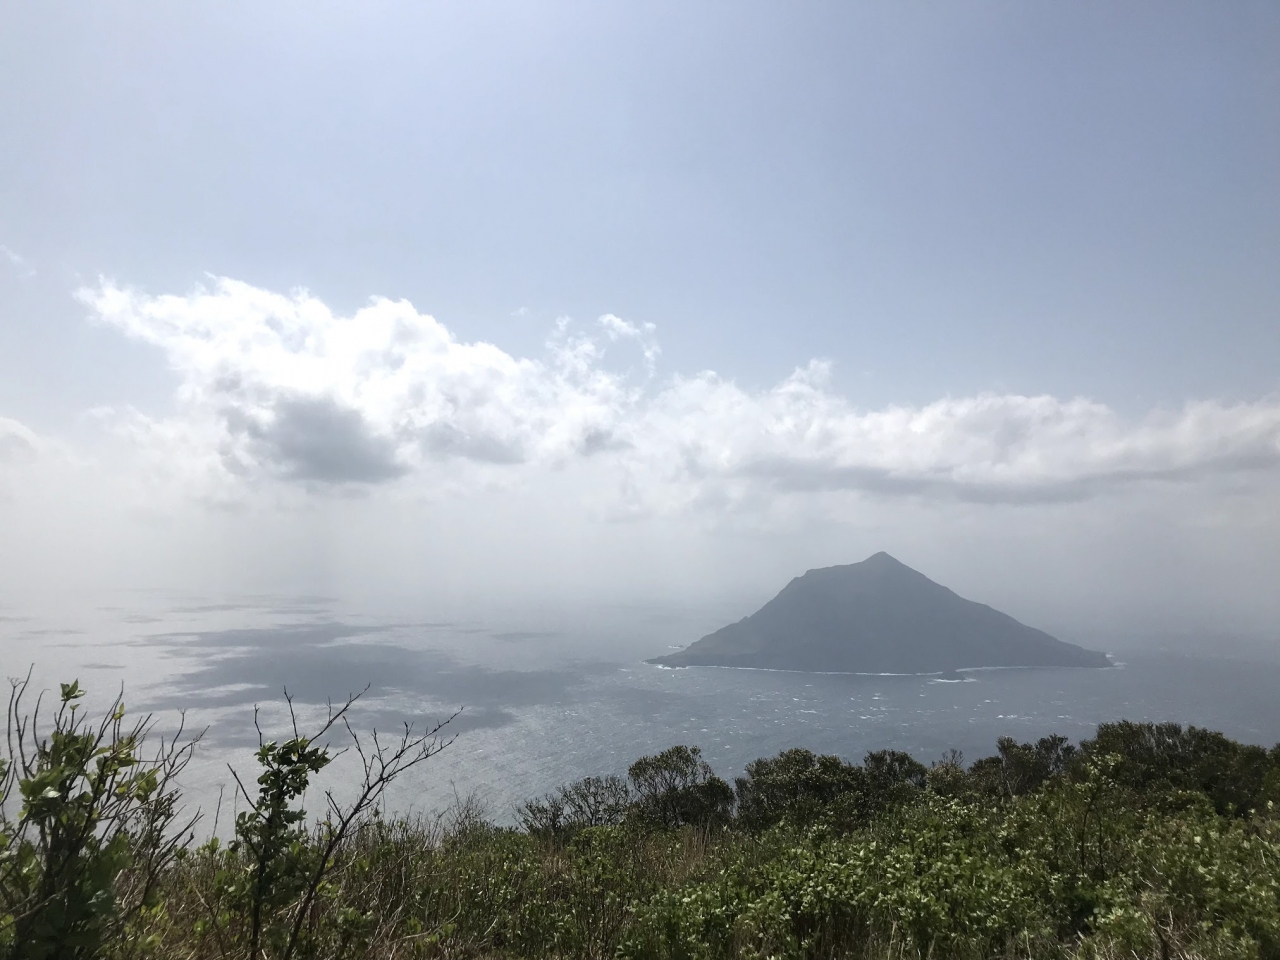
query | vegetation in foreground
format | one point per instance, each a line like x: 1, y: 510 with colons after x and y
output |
x: 1145, y: 841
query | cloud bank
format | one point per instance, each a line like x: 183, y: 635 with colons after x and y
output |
x: 279, y: 389
x: 17, y: 442
x: 283, y: 389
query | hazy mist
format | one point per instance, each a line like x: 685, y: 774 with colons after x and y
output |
x: 503, y: 307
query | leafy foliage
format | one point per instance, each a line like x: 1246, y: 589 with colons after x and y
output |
x: 797, y: 785
x: 678, y: 788
x: 590, y: 802
x: 1164, y: 757
x: 97, y: 824
x: 1145, y: 841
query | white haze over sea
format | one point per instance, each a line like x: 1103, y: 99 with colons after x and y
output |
x: 477, y: 352
x: 374, y: 453
x: 542, y: 705
x: 329, y: 501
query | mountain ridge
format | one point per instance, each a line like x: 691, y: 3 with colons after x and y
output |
x: 877, y: 616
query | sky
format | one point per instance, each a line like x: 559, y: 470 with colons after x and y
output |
x: 489, y: 303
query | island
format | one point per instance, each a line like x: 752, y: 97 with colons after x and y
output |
x: 877, y: 616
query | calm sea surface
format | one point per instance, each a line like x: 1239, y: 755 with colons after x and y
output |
x: 551, y: 697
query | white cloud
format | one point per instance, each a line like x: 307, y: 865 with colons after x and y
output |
x: 616, y: 328
x: 19, y: 263
x: 27, y: 459
x: 799, y: 436
x: 282, y: 387
x: 279, y: 389
x: 18, y: 443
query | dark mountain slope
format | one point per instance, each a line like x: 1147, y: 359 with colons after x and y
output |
x: 878, y: 616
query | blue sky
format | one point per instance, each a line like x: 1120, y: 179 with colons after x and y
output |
x: 1045, y: 229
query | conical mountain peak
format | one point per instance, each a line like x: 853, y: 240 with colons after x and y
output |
x: 878, y: 616
x: 876, y: 562
x: 883, y: 558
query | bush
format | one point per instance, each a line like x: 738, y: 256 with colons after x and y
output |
x: 97, y: 824
x: 590, y: 802
x: 799, y: 786
x: 1160, y: 758
x: 1137, y: 845
x: 678, y: 788
x: 1021, y: 768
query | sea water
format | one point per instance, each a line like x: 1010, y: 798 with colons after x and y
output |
x: 551, y: 696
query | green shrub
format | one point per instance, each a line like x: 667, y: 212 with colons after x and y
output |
x: 799, y: 786
x: 1151, y: 841
x: 1163, y: 757
x: 96, y: 825
x: 590, y: 802
x: 678, y: 788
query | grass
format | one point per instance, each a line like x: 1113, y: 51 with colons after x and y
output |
x: 1144, y: 841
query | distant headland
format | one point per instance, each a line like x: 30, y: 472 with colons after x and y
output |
x: 877, y: 616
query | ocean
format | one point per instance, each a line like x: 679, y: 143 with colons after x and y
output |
x: 554, y: 695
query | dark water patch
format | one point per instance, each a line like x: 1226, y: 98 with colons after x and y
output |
x: 292, y: 634
x: 391, y: 721
x: 327, y: 662
x: 515, y: 636
x: 217, y: 607
x: 657, y: 706
x: 236, y: 731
